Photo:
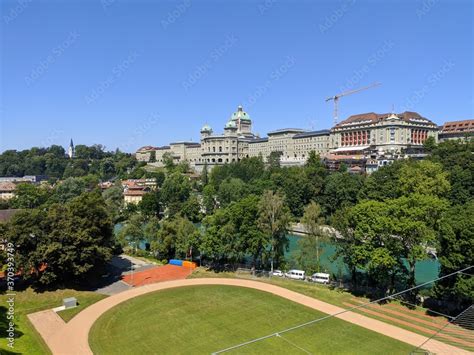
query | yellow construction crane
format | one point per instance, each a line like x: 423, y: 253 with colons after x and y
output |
x: 336, y: 98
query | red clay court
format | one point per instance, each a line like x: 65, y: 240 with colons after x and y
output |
x: 157, y: 274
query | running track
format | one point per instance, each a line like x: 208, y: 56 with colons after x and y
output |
x: 72, y: 338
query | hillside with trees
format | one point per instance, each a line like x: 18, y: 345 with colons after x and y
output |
x: 240, y: 213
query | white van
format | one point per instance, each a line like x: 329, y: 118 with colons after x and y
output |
x: 320, y: 277
x: 295, y: 274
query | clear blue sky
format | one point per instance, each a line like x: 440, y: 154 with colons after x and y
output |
x: 132, y: 73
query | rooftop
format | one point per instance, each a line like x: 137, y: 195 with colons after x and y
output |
x: 259, y: 140
x: 240, y: 114
x: 458, y: 126
x: 322, y: 132
x: 186, y: 143
x: 372, y: 117
x: 286, y: 130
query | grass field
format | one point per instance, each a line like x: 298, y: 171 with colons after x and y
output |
x: 29, y: 341
x: 203, y: 319
x: 324, y: 293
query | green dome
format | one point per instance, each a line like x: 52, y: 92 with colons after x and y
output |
x: 206, y: 128
x: 240, y: 114
x: 231, y: 124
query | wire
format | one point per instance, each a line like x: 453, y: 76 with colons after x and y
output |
x: 441, y: 329
x: 428, y: 309
x: 336, y: 314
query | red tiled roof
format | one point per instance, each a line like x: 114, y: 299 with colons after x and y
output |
x: 458, y: 126
x: 146, y: 148
x: 375, y: 117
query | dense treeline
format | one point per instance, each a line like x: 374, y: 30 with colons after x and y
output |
x: 386, y: 222
x: 64, y: 244
x: 54, y: 163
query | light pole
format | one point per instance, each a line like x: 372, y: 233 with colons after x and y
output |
x: 272, y: 254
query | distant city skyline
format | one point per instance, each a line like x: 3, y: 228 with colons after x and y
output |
x: 127, y: 74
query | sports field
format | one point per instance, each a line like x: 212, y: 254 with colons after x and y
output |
x: 204, y: 319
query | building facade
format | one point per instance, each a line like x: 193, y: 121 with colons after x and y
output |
x: 7, y: 190
x: 213, y: 149
x: 387, y: 133
x: 359, y: 136
x: 454, y: 130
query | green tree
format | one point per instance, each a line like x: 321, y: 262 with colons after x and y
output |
x: 368, y: 243
x: 296, y: 186
x: 168, y: 162
x: 209, y: 198
x: 152, y: 157
x: 429, y: 144
x: 414, y: 222
x: 113, y: 198
x: 234, y: 232
x: 231, y: 189
x: 151, y: 230
x: 424, y: 177
x: 187, y: 237
x: 341, y: 190
x: 76, y: 168
x: 383, y: 184
x: 74, y: 240
x: 175, y: 191
x: 310, y: 245
x: 159, y: 177
x: 26, y: 230
x: 29, y: 196
x: 456, y: 252
x: 205, y: 175
x: 68, y: 189
x: 457, y: 159
x: 192, y: 209
x: 132, y: 232
x: 274, y: 218
x: 274, y: 160
x: 150, y: 205
x: 176, y: 238
x: 316, y: 173
x: 107, y: 169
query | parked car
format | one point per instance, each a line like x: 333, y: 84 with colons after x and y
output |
x: 295, y: 274
x: 320, y: 277
x: 278, y: 273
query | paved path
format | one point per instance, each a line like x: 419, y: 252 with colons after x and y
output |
x: 72, y: 338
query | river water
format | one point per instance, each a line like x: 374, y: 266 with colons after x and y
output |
x: 426, y: 270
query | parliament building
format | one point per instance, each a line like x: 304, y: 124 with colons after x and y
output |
x: 359, y: 136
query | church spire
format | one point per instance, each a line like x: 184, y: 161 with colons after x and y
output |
x: 71, y: 150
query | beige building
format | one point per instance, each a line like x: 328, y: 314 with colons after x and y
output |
x: 293, y: 144
x: 386, y: 133
x: 134, y: 194
x: 214, y: 149
x: 381, y: 133
x: 7, y: 190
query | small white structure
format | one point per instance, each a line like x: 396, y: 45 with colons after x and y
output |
x: 69, y: 302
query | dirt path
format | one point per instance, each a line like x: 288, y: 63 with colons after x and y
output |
x: 72, y: 338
